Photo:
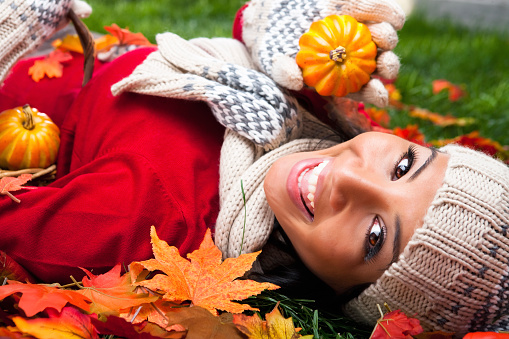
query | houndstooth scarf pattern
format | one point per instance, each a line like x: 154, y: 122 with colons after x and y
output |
x: 241, y: 98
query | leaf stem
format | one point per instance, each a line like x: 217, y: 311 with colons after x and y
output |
x: 9, y: 194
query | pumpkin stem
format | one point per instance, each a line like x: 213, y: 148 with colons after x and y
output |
x: 29, y: 117
x: 338, y: 54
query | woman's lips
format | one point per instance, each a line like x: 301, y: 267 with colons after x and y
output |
x: 303, y: 184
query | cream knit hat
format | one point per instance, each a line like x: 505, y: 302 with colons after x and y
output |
x: 454, y: 273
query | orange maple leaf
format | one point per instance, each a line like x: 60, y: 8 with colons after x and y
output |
x: 111, y: 292
x: 36, y: 298
x: 11, y: 184
x: 203, y: 280
x: 70, y: 323
x: 274, y: 326
x: 51, y: 66
x: 126, y: 37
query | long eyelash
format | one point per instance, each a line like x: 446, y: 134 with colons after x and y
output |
x: 371, y: 252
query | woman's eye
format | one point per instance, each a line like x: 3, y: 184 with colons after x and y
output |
x: 404, y: 164
x: 402, y: 168
x: 375, y: 237
x: 375, y: 233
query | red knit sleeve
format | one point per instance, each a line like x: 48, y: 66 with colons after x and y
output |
x: 125, y: 163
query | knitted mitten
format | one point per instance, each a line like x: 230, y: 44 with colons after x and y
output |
x: 271, y: 32
x: 25, y: 24
x: 242, y: 99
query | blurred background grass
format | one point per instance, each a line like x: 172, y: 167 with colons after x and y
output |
x: 429, y: 50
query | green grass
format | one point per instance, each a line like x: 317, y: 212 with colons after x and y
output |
x: 475, y: 59
x: 187, y: 18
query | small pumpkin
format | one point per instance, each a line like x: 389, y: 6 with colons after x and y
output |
x: 28, y: 139
x: 337, y: 55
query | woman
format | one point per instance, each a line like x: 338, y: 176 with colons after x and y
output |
x: 359, y: 211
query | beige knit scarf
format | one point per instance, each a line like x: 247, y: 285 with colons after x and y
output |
x: 245, y: 219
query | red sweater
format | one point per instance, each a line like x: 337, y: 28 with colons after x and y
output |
x: 125, y: 163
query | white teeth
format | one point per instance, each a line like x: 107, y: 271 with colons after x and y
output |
x: 312, y: 181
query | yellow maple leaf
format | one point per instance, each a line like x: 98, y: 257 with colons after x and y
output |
x: 70, y: 323
x: 275, y: 326
x: 203, y: 279
x: 71, y: 43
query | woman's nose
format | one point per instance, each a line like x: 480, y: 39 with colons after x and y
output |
x: 355, y: 181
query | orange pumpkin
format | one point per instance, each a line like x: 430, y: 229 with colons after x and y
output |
x: 337, y: 55
x: 28, y: 139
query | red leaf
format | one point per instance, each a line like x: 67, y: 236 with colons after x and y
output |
x: 11, y: 184
x: 396, y: 325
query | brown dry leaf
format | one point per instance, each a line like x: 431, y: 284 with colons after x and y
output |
x: 200, y: 323
x: 11, y: 184
x: 203, y: 280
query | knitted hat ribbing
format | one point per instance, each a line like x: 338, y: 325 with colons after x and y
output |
x: 454, y: 273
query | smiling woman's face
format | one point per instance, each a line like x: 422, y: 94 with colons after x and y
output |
x: 350, y: 210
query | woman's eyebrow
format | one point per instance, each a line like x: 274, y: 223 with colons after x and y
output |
x: 428, y: 162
